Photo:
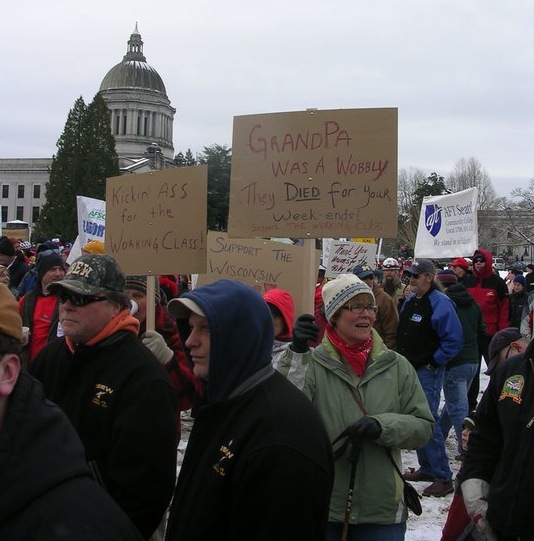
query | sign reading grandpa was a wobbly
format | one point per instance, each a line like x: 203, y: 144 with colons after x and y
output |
x: 156, y: 222
x: 314, y: 174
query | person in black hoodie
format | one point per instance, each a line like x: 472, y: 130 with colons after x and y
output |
x: 258, y: 464
x: 113, y: 390
x: 47, y: 490
x: 461, y: 369
x: 499, y: 465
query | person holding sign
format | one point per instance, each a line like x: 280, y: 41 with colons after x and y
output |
x: 165, y: 344
x: 258, y: 464
x: 370, y: 399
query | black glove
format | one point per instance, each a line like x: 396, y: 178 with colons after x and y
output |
x: 304, y: 331
x: 366, y: 428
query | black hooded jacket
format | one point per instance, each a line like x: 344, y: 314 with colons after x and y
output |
x: 258, y: 465
x: 500, y: 448
x: 46, y: 490
x: 474, y: 329
x: 123, y: 406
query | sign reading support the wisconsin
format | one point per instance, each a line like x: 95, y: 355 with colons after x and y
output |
x: 315, y: 174
x: 156, y: 222
x: 263, y: 264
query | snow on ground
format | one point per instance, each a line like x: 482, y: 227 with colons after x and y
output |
x: 428, y: 526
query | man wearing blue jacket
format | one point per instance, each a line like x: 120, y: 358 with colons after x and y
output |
x: 429, y: 335
x: 258, y: 464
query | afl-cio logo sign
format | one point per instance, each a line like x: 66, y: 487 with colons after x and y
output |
x: 433, y: 219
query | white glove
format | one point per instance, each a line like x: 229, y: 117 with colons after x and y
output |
x: 475, y: 493
x: 156, y: 344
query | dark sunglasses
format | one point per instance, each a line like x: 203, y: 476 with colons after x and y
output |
x: 78, y: 300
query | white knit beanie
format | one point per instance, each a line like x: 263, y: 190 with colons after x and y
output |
x: 340, y: 290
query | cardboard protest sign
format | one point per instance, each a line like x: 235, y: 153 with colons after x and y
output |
x: 342, y: 256
x: 263, y: 264
x: 448, y: 225
x: 314, y: 174
x: 156, y: 222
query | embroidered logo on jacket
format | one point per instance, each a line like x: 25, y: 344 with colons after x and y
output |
x: 221, y: 466
x: 512, y: 388
x: 102, y: 392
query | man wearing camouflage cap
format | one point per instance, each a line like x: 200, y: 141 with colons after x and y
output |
x: 113, y: 390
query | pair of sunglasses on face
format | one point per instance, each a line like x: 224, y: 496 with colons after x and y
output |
x: 78, y: 300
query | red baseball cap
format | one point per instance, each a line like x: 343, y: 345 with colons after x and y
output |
x: 459, y: 262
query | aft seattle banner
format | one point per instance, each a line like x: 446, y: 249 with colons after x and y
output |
x: 448, y: 226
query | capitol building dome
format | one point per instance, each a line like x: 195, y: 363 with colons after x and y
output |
x: 140, y: 112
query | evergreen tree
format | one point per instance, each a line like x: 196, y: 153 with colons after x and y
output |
x: 102, y: 161
x: 86, y: 156
x: 179, y: 160
x: 185, y: 161
x: 434, y: 184
x: 189, y: 158
x: 219, y: 160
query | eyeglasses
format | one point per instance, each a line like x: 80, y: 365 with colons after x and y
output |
x: 79, y: 300
x: 360, y: 308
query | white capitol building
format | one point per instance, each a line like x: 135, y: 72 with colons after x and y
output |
x: 142, y: 119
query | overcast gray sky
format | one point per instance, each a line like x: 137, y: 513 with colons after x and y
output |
x: 460, y: 72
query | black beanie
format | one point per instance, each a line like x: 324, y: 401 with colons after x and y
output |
x: 47, y: 262
x: 6, y: 247
x: 139, y: 284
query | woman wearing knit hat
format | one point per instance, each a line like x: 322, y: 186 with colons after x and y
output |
x: 372, y: 404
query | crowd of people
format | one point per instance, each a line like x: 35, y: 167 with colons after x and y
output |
x: 299, y: 419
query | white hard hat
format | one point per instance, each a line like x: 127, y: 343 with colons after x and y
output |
x: 390, y: 263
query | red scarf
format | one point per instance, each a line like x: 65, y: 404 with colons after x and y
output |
x: 355, y: 354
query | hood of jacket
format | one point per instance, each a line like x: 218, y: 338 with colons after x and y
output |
x: 488, y: 268
x: 459, y: 295
x: 241, y: 334
x: 39, y: 448
x: 284, y: 302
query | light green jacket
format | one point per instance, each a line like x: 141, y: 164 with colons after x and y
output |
x: 391, y: 393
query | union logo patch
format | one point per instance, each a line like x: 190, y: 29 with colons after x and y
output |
x: 512, y: 388
x: 221, y: 466
x: 102, y: 394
